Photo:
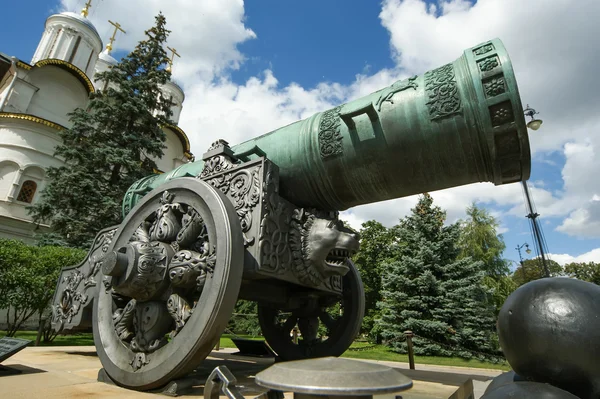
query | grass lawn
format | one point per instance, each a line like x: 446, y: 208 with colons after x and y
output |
x: 378, y: 352
x: 81, y: 339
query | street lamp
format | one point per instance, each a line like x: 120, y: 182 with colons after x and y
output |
x: 527, y: 250
x: 534, y: 124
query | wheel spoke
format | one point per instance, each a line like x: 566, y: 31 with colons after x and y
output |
x: 326, y: 318
x: 289, y: 323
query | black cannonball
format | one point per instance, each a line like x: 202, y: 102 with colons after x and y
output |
x: 549, y: 331
x: 505, y: 378
x: 528, y: 390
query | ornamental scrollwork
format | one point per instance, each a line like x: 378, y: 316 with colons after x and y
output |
x: 486, y: 48
x: 274, y: 248
x: 488, y: 64
x: 220, y: 159
x: 216, y: 164
x: 77, y: 281
x: 494, y: 86
x: 330, y: 138
x: 442, y: 92
x: 244, y: 189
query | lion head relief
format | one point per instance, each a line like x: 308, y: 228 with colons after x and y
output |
x: 321, y: 245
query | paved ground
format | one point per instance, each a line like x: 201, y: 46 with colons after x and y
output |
x: 71, y: 372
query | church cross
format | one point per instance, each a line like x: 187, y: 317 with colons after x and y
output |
x: 175, y: 53
x: 86, y: 9
x: 117, y: 26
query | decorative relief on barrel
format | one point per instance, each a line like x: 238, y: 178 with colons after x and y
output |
x: 501, y: 113
x: 138, y: 190
x: 507, y: 144
x: 330, y: 138
x: 442, y: 92
x: 388, y: 93
x: 486, y: 48
x: 487, y: 64
x: 494, y: 86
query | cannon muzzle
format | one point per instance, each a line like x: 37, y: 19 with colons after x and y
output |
x: 458, y: 124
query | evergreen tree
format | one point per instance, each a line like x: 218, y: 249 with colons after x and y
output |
x: 429, y: 291
x: 109, y: 145
x: 375, y: 244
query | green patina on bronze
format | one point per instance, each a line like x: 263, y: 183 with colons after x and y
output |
x: 458, y: 124
x: 259, y: 221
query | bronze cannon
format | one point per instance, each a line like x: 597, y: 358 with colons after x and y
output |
x: 259, y: 221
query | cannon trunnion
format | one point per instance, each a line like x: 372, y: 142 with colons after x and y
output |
x: 259, y: 221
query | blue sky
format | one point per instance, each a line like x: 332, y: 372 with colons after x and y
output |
x: 250, y: 67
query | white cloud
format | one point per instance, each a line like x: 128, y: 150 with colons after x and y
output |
x: 554, y: 67
x: 563, y: 259
x: 548, y: 42
x: 206, y: 33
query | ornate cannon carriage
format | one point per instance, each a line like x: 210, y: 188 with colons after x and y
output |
x: 259, y: 221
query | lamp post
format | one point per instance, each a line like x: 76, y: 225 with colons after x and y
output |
x: 527, y: 250
x: 534, y: 124
x: 521, y: 257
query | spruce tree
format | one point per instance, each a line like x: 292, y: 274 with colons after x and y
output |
x: 426, y: 289
x: 109, y: 145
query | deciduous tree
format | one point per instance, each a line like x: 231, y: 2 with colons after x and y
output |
x: 533, y: 269
x: 28, y: 278
x: 586, y: 271
x: 375, y: 249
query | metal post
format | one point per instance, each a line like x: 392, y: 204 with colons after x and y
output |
x: 295, y: 335
x: 218, y: 345
x: 411, y: 355
x: 521, y: 258
x: 536, y: 229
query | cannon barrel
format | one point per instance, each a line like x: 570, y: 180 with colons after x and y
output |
x: 458, y: 124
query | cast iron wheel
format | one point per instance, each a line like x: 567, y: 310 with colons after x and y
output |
x: 157, y: 321
x: 324, y: 331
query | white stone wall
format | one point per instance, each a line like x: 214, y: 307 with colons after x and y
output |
x: 59, y: 93
x: 173, y: 91
x: 173, y: 154
x: 26, y: 152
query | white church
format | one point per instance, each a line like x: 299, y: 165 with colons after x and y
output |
x: 35, y: 99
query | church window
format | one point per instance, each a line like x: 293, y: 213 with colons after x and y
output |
x: 27, y: 191
x: 75, y: 47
